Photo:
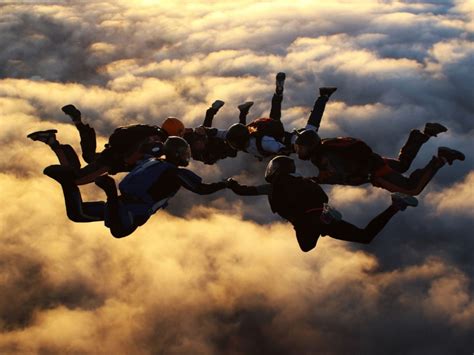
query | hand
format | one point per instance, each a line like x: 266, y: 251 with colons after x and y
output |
x: 231, y: 183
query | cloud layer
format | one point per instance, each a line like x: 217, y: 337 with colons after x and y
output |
x: 219, y: 274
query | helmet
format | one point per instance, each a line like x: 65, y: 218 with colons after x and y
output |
x: 238, y: 136
x: 173, y: 127
x: 177, y: 151
x: 308, y: 138
x: 279, y: 165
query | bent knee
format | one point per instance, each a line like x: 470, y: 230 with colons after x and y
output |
x: 305, y: 247
x: 77, y: 217
x: 120, y: 234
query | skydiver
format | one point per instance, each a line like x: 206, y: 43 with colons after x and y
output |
x: 125, y: 147
x: 143, y: 191
x: 350, y: 161
x: 208, y: 144
x: 303, y: 203
x: 266, y: 136
x: 262, y: 137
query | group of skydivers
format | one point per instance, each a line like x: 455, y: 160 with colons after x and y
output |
x: 154, y: 158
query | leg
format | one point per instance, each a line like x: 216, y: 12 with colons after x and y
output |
x: 105, y: 161
x: 211, y: 112
x: 244, y: 111
x: 307, y: 229
x: 65, y: 153
x: 66, y: 156
x: 275, y: 111
x: 88, y: 142
x: 314, y: 120
x: 343, y: 230
x: 86, y: 132
x: 414, y: 184
x: 408, y: 152
x: 90, y: 172
x: 120, y: 222
x: 76, y: 209
x: 316, y: 115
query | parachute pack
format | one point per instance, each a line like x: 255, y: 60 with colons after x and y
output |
x: 348, y: 147
x: 126, y: 137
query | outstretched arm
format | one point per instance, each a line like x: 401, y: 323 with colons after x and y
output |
x: 192, y: 182
x: 207, y: 189
x: 244, y: 190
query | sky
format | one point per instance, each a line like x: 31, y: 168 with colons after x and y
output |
x: 221, y: 274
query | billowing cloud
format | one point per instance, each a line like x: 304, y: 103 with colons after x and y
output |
x: 221, y: 274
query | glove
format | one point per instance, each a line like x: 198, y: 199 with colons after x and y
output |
x: 231, y: 183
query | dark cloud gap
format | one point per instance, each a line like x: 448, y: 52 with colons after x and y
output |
x: 28, y: 290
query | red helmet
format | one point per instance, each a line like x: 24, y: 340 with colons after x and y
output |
x: 173, y: 127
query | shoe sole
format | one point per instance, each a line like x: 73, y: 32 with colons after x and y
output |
x: 41, y: 132
x: 458, y: 155
x: 407, y: 199
x: 436, y: 127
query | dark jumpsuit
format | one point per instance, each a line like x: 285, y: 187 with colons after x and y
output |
x: 300, y: 201
x: 118, y: 219
x: 343, y: 166
x: 112, y: 159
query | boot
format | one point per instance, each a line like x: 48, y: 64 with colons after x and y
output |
x: 72, y: 112
x: 433, y: 129
x: 327, y: 91
x: 402, y: 201
x: 280, y: 82
x: 48, y: 137
x: 450, y: 155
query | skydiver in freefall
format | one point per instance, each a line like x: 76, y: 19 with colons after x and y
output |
x: 350, y: 161
x: 208, y: 144
x: 126, y: 146
x: 262, y: 137
x: 143, y: 191
x: 266, y: 137
x: 303, y: 203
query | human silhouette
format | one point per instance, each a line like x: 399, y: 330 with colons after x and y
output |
x: 303, y: 203
x: 143, y: 191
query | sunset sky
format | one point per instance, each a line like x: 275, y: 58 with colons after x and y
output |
x: 221, y: 274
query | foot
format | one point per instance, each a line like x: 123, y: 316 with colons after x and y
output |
x: 449, y: 155
x: 402, y: 201
x: 48, y: 137
x: 60, y: 173
x: 106, y: 183
x: 433, y: 129
x: 245, y: 107
x: 280, y: 82
x: 72, y: 112
x: 327, y: 91
x: 216, y: 105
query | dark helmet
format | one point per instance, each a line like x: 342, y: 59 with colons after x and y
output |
x: 177, y: 151
x: 238, y: 136
x: 308, y: 138
x: 279, y: 165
